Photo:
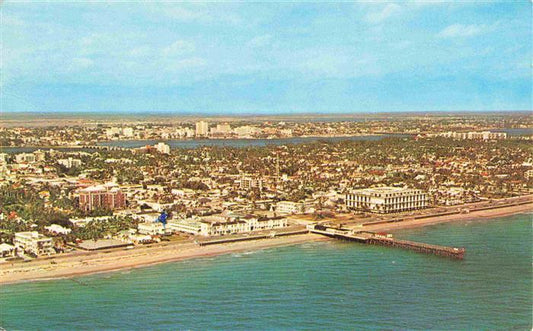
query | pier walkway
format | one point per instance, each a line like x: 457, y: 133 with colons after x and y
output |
x: 371, y: 238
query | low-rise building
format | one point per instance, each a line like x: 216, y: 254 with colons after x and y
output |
x: 57, y: 229
x: 215, y: 226
x: 289, y: 207
x: 227, y: 223
x: 162, y: 148
x: 25, y: 158
x: 386, y: 199
x: 81, y: 222
x: 7, y: 250
x: 33, y: 242
x: 187, y: 225
x: 483, y: 135
x: 151, y: 228
x: 267, y: 223
x: 70, y: 162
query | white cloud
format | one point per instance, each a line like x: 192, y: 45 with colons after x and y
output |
x: 461, y: 31
x: 179, y: 47
x: 379, y: 16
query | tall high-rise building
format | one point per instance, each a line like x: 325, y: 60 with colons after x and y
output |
x: 202, y: 129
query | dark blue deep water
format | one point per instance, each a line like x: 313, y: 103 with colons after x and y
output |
x: 314, y: 286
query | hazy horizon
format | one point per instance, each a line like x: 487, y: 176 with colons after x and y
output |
x: 266, y: 114
x: 265, y: 58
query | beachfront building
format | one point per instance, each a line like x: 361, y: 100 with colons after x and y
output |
x: 219, y: 226
x: 101, y: 196
x: 33, y: 242
x: 267, y: 223
x: 227, y: 223
x: 151, y: 228
x: 7, y: 250
x: 187, y: 225
x: 386, y: 199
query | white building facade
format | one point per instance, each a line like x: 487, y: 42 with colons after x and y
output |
x: 386, y: 199
x: 202, y: 129
x: 248, y: 183
x: 290, y: 207
x: 162, y: 148
x: 218, y: 225
x: 151, y: 228
x: 70, y: 162
x: 34, y: 243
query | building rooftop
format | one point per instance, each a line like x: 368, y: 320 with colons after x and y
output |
x: 377, y: 191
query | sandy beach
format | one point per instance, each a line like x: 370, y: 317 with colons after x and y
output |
x: 479, y: 215
x: 81, y: 263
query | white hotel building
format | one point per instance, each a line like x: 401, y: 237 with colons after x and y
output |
x: 386, y: 199
x: 217, y: 225
x: 33, y: 242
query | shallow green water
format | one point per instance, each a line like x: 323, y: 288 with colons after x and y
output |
x: 326, y: 285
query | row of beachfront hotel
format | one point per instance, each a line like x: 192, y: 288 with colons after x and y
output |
x: 376, y: 200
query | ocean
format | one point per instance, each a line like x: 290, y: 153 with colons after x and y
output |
x: 313, y: 286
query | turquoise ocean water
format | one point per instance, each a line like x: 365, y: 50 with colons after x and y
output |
x: 314, y: 286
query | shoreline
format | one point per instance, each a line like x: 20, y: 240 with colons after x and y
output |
x: 73, y: 265
x: 106, y: 261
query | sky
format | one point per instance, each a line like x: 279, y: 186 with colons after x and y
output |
x: 234, y: 58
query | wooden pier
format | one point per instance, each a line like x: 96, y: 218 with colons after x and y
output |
x: 371, y: 238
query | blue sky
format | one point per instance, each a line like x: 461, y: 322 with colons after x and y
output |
x: 266, y: 57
